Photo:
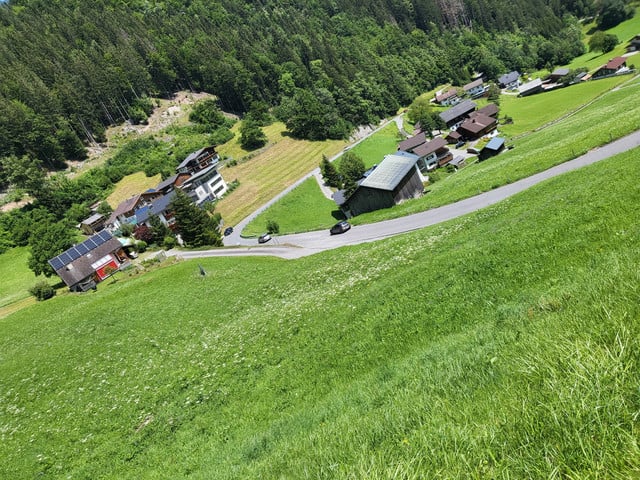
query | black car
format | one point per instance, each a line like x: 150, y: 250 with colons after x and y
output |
x: 228, y: 231
x: 264, y: 238
x: 340, y: 227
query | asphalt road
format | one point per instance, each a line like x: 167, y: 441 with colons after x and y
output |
x: 300, y: 245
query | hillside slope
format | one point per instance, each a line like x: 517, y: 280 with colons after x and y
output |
x: 505, y: 344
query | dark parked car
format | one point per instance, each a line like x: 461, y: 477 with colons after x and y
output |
x: 340, y: 227
x: 264, y: 238
x: 228, y: 231
x: 461, y: 143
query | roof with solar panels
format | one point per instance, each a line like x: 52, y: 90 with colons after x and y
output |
x: 76, y: 263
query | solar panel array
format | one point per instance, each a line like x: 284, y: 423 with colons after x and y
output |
x: 79, y: 250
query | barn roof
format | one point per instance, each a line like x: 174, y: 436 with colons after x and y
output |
x: 461, y: 109
x: 391, y: 171
x: 412, y: 142
x: 615, y: 63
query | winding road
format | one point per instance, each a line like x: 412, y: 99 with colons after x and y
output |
x: 303, y: 244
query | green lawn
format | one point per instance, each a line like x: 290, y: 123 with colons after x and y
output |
x: 306, y: 208
x: 500, y: 345
x: 373, y: 149
x: 16, y: 277
x: 532, y: 112
x: 305, y: 205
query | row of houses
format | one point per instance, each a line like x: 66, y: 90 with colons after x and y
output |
x: 84, y: 265
x: 453, y: 96
x: 399, y: 176
x: 197, y: 175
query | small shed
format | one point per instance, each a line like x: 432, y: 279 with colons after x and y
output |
x: 494, y: 147
x: 394, y: 180
x: 529, y: 88
x: 93, y: 224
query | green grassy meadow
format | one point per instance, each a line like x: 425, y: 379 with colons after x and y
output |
x: 16, y: 277
x: 504, y: 344
x: 535, y: 111
x: 303, y: 205
x: 624, y: 31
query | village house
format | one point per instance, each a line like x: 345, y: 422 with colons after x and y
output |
x: 475, y: 89
x: 509, y: 81
x: 205, y: 184
x: 396, y: 179
x: 615, y: 66
x: 83, y: 266
x: 432, y: 154
x: 160, y: 208
x: 448, y: 98
x: 125, y: 212
x: 477, y: 126
x: 411, y: 143
x: 458, y: 113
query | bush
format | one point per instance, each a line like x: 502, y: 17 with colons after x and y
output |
x: 273, y: 227
x: 141, y: 246
x: 169, y: 242
x: 42, y: 291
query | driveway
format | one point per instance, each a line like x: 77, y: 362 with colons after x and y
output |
x: 303, y: 244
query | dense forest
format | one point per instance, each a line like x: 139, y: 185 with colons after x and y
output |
x: 72, y: 67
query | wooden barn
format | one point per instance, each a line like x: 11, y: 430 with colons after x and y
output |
x: 84, y: 265
x: 396, y: 179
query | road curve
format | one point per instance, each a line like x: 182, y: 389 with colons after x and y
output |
x: 303, y: 244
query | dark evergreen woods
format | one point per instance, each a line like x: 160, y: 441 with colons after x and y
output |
x: 70, y: 68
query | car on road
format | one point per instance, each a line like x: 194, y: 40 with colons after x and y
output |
x: 228, y: 231
x: 340, y: 227
x: 264, y: 238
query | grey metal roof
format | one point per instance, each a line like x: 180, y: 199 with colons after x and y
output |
x: 390, y: 171
x: 495, y: 143
x: 532, y: 85
x: 508, y: 78
x: 460, y: 109
x: 96, y: 217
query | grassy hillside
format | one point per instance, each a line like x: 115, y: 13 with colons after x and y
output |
x: 501, y: 345
x: 575, y: 120
x: 16, y: 277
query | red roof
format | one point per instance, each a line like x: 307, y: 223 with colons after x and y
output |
x: 615, y: 63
